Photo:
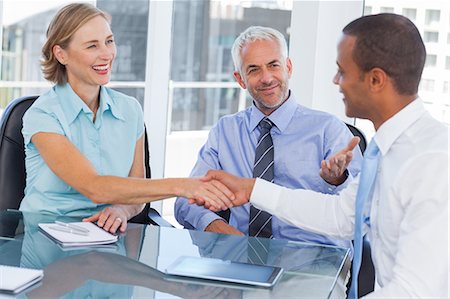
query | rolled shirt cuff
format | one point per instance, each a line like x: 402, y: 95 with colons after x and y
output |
x: 206, y: 220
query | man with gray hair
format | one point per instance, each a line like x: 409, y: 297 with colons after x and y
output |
x: 275, y: 139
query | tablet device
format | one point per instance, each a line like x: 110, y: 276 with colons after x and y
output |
x: 215, y: 269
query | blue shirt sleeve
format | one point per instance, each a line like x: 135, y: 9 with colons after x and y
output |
x: 37, y: 120
x: 193, y: 216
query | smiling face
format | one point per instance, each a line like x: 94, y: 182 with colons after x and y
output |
x: 89, y: 56
x: 265, y: 73
x: 353, y: 84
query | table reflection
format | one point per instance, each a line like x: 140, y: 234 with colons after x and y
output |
x: 133, y: 269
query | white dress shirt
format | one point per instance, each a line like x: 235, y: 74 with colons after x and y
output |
x: 409, y: 226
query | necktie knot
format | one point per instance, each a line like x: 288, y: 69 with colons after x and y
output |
x: 372, y: 150
x: 265, y: 124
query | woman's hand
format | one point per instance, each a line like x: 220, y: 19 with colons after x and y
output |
x: 211, y: 193
x: 241, y: 188
x: 114, y: 217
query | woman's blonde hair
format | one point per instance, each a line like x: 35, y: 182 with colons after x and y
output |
x: 60, y: 32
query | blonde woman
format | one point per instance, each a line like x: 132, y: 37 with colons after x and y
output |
x: 84, y: 141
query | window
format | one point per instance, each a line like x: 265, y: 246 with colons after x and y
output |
x: 368, y: 10
x: 21, y: 45
x: 447, y: 62
x: 410, y: 13
x: 430, y: 60
x: 24, y: 35
x: 203, y: 33
x: 129, y: 25
x: 430, y: 37
x: 446, y: 87
x: 387, y: 9
x: 427, y: 85
x: 432, y: 16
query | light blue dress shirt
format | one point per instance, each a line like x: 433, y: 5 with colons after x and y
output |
x: 302, y: 138
x: 108, y: 143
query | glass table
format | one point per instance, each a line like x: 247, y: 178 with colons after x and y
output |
x: 134, y: 266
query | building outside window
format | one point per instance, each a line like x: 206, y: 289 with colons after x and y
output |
x: 386, y: 9
x: 427, y: 85
x: 430, y: 37
x: 446, y: 87
x: 430, y: 61
x: 432, y: 16
x: 410, y: 13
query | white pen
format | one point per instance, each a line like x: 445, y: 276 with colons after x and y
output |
x: 68, y: 230
x: 72, y: 226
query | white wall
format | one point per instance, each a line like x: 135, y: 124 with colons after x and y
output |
x: 315, y: 30
x: 181, y: 155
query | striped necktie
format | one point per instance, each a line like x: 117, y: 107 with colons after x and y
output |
x: 260, y: 222
x: 362, y: 209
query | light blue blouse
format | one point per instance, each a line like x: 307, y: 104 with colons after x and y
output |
x: 108, y: 143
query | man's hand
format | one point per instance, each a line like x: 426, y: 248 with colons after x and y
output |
x: 332, y: 171
x: 209, y: 193
x: 221, y: 227
x: 241, y: 187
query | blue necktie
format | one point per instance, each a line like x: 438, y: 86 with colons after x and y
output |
x: 260, y: 222
x: 362, y: 209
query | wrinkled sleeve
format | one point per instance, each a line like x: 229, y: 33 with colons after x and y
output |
x: 421, y: 266
x: 331, y: 215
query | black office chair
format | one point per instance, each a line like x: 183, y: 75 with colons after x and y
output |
x: 366, y: 279
x: 358, y: 133
x: 12, y: 162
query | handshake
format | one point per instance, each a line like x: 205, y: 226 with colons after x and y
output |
x: 226, y: 191
x: 219, y: 190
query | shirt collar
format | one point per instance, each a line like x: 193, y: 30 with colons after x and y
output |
x: 281, y: 117
x: 107, y: 102
x: 390, y: 130
x: 72, y: 104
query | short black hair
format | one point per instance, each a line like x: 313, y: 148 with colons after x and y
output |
x: 392, y: 43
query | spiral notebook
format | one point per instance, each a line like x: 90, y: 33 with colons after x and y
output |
x: 14, y: 279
